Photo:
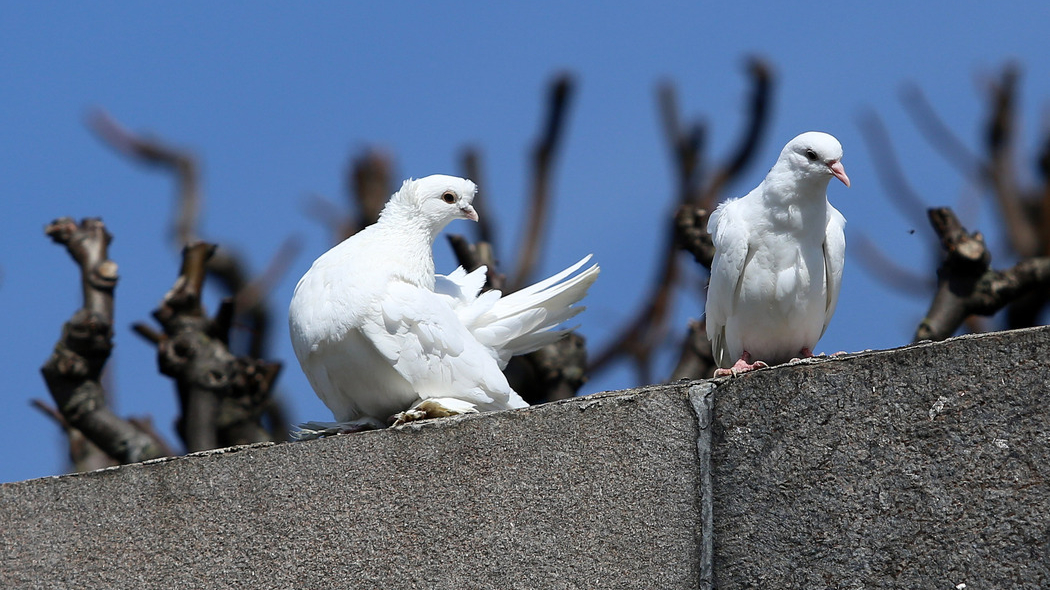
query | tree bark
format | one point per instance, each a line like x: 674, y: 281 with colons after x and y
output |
x: 73, y: 372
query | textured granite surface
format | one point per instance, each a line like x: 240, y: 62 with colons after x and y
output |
x: 597, y: 492
x: 922, y: 467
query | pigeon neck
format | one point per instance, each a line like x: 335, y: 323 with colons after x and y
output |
x: 411, y: 235
x: 408, y: 220
x: 785, y: 187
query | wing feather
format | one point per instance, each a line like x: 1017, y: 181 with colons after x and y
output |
x: 419, y: 332
x: 730, y: 237
x: 834, y: 260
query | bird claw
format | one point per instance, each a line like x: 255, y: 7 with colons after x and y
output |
x: 409, y: 416
x: 434, y: 408
x: 741, y: 366
x: 805, y: 353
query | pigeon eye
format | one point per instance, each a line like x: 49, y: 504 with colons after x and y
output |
x: 812, y: 155
x: 448, y: 198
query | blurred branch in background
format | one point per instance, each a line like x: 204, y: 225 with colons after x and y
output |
x: 483, y: 252
x: 250, y: 314
x: 84, y: 455
x: 747, y: 145
x: 966, y: 286
x: 222, y: 397
x: 74, y: 370
x: 152, y: 151
x: 226, y: 265
x: 543, y: 154
x: 939, y: 134
x: 470, y: 160
x: 558, y: 370
x: 369, y: 185
x: 1021, y: 226
x: 891, y: 176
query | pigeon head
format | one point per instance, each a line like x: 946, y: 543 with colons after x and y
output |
x: 435, y: 200
x: 814, y: 155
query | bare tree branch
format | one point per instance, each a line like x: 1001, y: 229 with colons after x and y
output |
x: 222, y: 396
x: 1044, y: 195
x: 647, y: 328
x: 889, y: 270
x: 329, y: 215
x: 472, y: 256
x: 543, y: 154
x: 1021, y: 230
x: 149, y: 334
x: 368, y: 188
x: 225, y: 265
x: 180, y: 163
x: 556, y: 371
x: 696, y: 360
x: 891, y: 176
x: 370, y: 183
x: 966, y: 283
x: 939, y: 134
x: 84, y: 455
x: 251, y: 298
x: 686, y: 143
x: 73, y: 372
x: 758, y: 121
x: 691, y: 234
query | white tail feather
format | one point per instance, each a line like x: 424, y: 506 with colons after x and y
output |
x: 523, y: 321
x: 520, y: 322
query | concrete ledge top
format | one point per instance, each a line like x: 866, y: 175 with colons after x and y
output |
x: 592, y: 492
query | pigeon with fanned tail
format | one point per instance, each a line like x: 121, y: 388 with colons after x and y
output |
x: 382, y: 338
x: 779, y: 253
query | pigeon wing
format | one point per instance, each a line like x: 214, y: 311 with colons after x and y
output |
x: 419, y: 332
x: 834, y: 260
x: 730, y: 235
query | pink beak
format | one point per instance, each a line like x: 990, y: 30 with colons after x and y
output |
x: 839, y: 172
x: 471, y: 214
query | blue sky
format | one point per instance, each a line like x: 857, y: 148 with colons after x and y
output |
x: 274, y: 99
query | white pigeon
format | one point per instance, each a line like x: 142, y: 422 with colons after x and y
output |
x: 779, y: 252
x: 380, y: 336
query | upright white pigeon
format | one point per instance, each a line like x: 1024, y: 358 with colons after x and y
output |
x: 379, y: 335
x: 779, y: 252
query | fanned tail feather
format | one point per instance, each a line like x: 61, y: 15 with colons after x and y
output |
x: 523, y: 321
x: 520, y: 322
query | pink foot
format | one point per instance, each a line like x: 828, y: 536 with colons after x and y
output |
x: 805, y: 353
x: 743, y: 365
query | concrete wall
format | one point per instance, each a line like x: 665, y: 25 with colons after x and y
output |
x: 922, y: 467
x: 926, y: 467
